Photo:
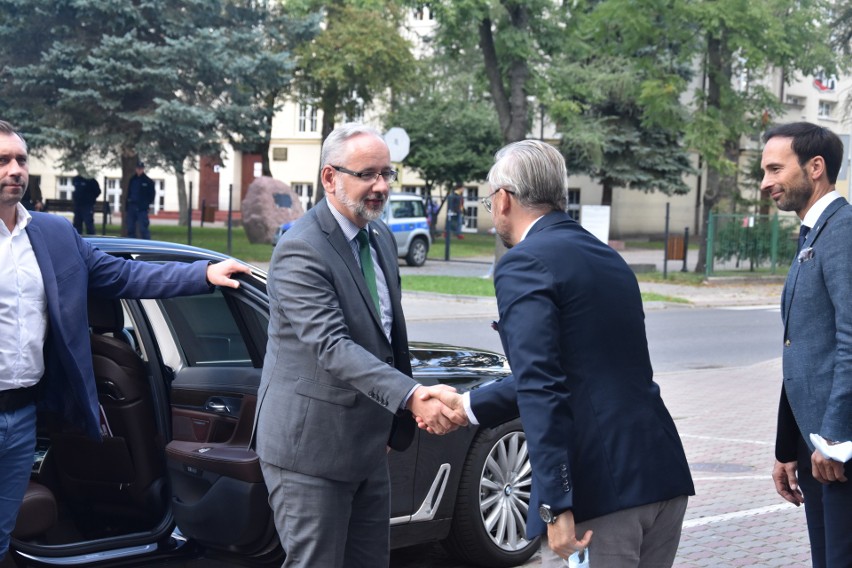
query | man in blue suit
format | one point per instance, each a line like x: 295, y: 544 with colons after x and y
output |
x: 607, y: 459
x: 800, y: 165
x: 45, y: 357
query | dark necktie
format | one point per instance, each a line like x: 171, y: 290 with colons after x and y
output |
x: 367, y: 267
x: 803, y: 232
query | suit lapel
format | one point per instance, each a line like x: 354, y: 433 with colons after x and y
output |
x: 48, y: 276
x: 385, y: 257
x: 343, y: 248
x: 810, y: 242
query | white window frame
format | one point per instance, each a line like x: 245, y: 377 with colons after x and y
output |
x: 303, y: 190
x: 64, y: 187
x: 573, y: 208
x: 825, y: 109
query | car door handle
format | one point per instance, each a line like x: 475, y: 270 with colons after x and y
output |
x: 218, y: 406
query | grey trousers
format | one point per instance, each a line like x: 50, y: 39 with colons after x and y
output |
x: 641, y: 537
x: 331, y: 524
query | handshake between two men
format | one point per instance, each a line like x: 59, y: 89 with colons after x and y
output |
x: 438, y: 409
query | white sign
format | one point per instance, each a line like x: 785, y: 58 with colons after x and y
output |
x: 398, y: 143
x: 595, y: 219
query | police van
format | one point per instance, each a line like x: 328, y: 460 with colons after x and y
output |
x: 406, y: 216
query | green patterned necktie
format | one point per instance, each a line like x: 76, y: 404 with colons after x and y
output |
x: 367, y: 267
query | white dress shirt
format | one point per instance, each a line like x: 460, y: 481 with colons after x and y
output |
x: 23, y: 308
x: 817, y: 209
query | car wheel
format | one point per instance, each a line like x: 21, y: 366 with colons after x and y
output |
x: 417, y: 252
x: 489, y: 521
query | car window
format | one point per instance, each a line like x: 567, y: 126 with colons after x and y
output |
x: 406, y: 209
x: 206, y: 330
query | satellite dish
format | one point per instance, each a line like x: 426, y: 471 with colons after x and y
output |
x: 398, y: 143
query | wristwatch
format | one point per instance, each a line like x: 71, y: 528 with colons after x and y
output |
x: 546, y: 514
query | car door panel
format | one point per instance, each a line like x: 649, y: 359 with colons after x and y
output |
x: 218, y: 497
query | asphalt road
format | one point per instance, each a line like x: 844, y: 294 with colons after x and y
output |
x: 678, y: 338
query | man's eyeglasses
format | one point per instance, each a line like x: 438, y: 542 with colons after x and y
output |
x: 486, y: 201
x: 388, y: 175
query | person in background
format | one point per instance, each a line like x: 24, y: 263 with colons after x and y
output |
x: 140, y: 197
x: 609, y: 470
x: 813, y: 446
x: 86, y: 192
x: 46, y: 274
x: 455, y: 212
x: 32, y: 200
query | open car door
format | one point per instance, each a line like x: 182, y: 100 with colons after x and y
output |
x: 214, y: 345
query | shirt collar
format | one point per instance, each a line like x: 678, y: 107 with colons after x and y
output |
x: 350, y: 229
x: 527, y: 231
x: 817, y: 209
x: 23, y: 219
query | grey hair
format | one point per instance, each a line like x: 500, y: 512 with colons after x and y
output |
x: 334, y: 147
x: 6, y: 128
x: 535, y: 171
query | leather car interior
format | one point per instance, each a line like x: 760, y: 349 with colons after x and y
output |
x: 125, y: 473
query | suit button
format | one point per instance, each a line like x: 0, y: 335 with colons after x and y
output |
x: 786, y: 343
x: 389, y: 360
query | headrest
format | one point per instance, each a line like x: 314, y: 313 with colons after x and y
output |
x: 105, y: 314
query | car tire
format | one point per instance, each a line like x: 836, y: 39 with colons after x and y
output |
x: 489, y: 521
x: 417, y: 252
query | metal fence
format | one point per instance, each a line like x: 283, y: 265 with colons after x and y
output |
x: 750, y: 243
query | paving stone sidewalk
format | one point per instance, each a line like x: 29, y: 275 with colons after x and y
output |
x: 726, y: 418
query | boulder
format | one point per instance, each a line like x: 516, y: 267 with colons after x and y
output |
x: 268, y: 204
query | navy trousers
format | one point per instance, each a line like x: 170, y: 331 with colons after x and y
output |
x: 828, y: 509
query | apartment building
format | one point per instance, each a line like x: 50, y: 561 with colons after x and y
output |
x: 295, y: 151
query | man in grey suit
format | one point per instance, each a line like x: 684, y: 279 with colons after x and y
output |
x: 800, y: 163
x: 336, y: 388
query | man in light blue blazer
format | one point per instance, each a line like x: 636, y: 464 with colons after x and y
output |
x: 800, y: 164
x: 46, y: 273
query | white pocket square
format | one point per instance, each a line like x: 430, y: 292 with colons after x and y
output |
x: 806, y: 254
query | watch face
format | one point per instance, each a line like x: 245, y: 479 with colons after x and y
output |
x: 546, y: 514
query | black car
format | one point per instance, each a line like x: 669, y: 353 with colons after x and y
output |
x: 174, y: 475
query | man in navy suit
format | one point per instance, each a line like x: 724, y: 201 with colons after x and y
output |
x: 45, y: 357
x: 800, y: 165
x: 607, y: 459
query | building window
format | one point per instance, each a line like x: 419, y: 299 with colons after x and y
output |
x: 415, y: 189
x: 826, y: 109
x: 795, y: 101
x: 471, y: 208
x: 574, y: 204
x: 113, y: 193
x: 307, y: 118
x: 305, y: 191
x: 422, y: 13
x: 64, y: 188
x: 159, y: 196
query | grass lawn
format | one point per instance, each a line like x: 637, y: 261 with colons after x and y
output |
x: 473, y: 245
x: 483, y: 287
